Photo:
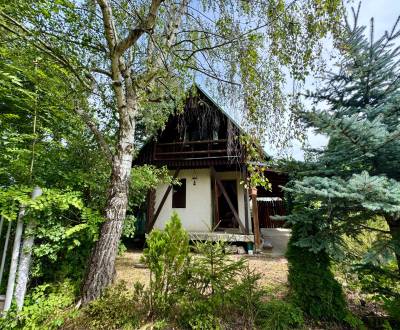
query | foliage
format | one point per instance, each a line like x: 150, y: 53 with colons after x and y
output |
x: 353, y: 184
x: 280, y: 315
x: 272, y: 39
x: 144, y: 178
x: 166, y: 255
x: 111, y: 64
x: 45, y: 308
x: 42, y: 144
x: 63, y: 225
x: 196, y: 290
x: 312, y: 284
x: 254, y: 155
x: 129, y: 226
x: 382, y: 281
x: 118, y: 308
x: 215, y: 283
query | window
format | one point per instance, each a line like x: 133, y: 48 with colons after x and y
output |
x: 179, y: 195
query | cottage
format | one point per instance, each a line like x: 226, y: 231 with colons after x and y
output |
x: 202, y: 149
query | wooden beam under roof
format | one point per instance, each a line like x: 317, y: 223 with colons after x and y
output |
x: 169, y: 188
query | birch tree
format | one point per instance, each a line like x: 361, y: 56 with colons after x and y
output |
x: 134, y: 59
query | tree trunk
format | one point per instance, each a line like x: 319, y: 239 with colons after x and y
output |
x: 14, y: 259
x: 101, y: 269
x: 394, y: 227
x: 25, y: 257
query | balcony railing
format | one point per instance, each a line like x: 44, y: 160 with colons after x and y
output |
x: 191, y: 150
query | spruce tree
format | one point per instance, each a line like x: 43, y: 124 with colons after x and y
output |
x: 355, y: 181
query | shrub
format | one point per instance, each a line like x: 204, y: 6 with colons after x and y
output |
x: 45, y: 308
x: 279, y: 315
x: 312, y: 285
x: 197, y: 291
x: 118, y: 308
x: 213, y: 284
x: 383, y: 282
x: 167, y: 256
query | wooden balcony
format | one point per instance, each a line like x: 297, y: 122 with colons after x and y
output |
x: 190, y: 150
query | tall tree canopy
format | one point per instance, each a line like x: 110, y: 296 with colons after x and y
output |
x: 354, y: 182
x: 128, y: 61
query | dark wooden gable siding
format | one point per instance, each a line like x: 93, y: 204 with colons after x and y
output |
x: 200, y: 136
x: 269, y: 207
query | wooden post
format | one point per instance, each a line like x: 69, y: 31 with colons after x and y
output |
x: 151, y: 200
x: 246, y: 204
x: 256, y: 225
x: 214, y: 195
x: 169, y: 188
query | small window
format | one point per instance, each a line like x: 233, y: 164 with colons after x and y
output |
x: 179, y: 195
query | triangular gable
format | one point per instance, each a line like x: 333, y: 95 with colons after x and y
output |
x: 203, y: 134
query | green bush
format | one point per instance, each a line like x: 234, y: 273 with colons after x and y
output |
x: 45, y: 308
x: 279, y: 315
x: 214, y: 284
x: 312, y: 285
x: 196, y: 291
x: 167, y: 256
x: 382, y: 281
x: 118, y: 308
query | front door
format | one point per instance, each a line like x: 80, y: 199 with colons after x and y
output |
x: 226, y: 217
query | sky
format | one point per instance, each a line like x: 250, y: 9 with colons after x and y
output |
x: 385, y: 13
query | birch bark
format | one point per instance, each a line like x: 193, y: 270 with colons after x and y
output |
x: 25, y: 257
x: 14, y: 260
x: 101, y: 268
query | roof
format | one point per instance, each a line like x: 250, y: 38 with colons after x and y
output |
x: 234, y: 122
x: 222, y: 110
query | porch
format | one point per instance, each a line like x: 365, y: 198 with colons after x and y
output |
x: 221, y: 236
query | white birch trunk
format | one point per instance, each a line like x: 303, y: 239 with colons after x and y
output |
x: 14, y: 260
x: 101, y: 267
x: 25, y: 258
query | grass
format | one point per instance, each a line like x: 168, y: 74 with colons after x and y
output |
x: 273, y: 270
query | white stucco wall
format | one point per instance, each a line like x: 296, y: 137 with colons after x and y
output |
x: 197, y: 216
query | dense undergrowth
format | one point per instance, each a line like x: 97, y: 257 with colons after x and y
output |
x: 194, y: 287
x: 197, y: 287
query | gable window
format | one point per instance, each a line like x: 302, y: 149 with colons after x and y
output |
x: 179, y: 195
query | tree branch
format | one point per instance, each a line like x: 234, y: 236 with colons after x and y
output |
x: 146, y: 26
x: 43, y: 46
x: 208, y: 74
x: 374, y: 229
x: 108, y: 23
x: 96, y: 132
x: 102, y: 71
